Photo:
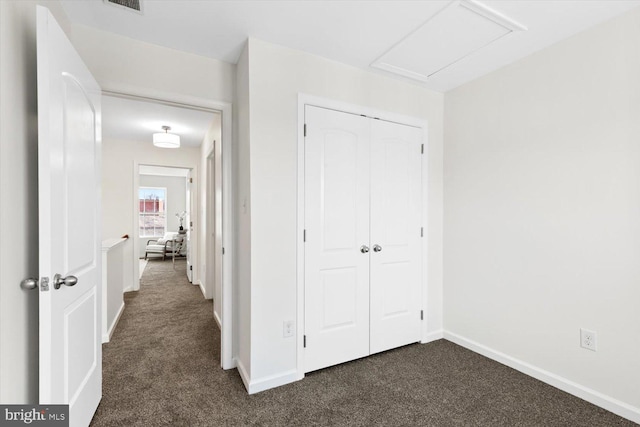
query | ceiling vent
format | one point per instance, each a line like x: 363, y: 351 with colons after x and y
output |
x: 134, y: 5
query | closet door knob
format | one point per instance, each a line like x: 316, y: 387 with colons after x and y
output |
x: 377, y: 248
x: 364, y: 249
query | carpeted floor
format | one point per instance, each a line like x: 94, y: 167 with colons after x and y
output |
x: 142, y: 264
x: 162, y: 368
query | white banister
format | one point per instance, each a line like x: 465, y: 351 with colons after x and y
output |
x: 112, y: 285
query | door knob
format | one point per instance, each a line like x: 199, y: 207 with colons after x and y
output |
x: 29, y: 284
x: 364, y: 249
x: 58, y: 281
x: 377, y: 248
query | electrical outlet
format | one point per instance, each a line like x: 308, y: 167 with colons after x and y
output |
x: 588, y: 339
x: 287, y: 328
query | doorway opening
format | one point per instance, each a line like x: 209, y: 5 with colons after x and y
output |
x: 164, y: 206
x: 207, y: 219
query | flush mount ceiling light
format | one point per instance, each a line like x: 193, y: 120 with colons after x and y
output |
x: 166, y: 139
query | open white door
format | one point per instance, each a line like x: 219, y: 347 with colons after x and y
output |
x: 69, y: 139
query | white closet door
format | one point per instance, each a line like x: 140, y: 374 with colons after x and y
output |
x: 337, y: 227
x: 396, y: 289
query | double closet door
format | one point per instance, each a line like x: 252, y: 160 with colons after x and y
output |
x: 363, y: 270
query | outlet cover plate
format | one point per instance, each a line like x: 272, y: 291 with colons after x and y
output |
x: 588, y: 339
x: 288, y: 328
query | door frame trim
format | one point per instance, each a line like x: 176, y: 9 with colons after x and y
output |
x: 345, y: 107
x: 136, y: 211
x: 227, y: 357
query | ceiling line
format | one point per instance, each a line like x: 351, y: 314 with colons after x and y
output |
x: 160, y: 101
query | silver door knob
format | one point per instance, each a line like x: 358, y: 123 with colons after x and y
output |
x: 377, y: 248
x: 364, y: 249
x: 58, y: 281
x: 29, y: 284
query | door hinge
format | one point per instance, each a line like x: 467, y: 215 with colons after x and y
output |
x: 421, y: 314
x: 304, y: 341
x: 191, y: 267
x: 421, y: 231
x: 305, y: 129
x: 222, y: 251
x: 44, y: 284
x: 190, y: 180
x: 422, y: 149
x: 304, y: 235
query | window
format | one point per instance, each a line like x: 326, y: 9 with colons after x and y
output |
x: 153, y: 215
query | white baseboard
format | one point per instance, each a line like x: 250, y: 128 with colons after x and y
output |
x: 266, y: 383
x: 432, y: 336
x: 232, y: 365
x: 107, y: 337
x: 607, y: 402
x: 243, y: 374
x: 216, y: 316
x: 128, y: 289
x: 272, y: 381
x: 202, y: 289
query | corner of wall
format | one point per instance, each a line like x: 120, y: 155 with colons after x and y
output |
x: 242, y: 222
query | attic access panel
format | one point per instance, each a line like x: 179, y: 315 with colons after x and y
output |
x: 457, y: 31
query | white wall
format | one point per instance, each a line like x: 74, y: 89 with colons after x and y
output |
x: 242, y: 224
x: 542, y: 209
x: 19, y: 198
x: 126, y: 65
x: 176, y: 202
x: 276, y: 76
x: 210, y: 272
x: 118, y: 170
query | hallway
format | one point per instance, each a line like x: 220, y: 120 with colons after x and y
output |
x: 164, y: 355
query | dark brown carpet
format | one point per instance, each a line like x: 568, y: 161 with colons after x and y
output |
x: 162, y: 368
